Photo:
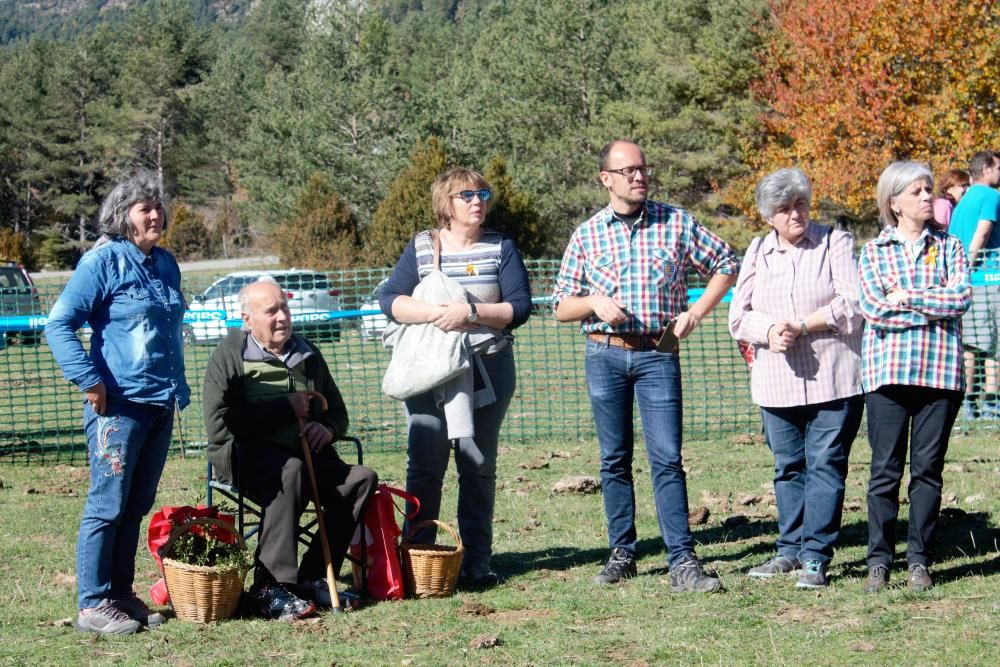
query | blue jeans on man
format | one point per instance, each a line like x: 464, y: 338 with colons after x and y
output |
x: 811, y: 445
x: 127, y: 448
x: 617, y: 377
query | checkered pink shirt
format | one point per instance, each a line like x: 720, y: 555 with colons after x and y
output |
x: 775, y: 284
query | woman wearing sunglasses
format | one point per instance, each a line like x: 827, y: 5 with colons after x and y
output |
x: 490, y: 268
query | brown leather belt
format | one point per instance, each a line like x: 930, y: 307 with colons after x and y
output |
x: 627, y: 341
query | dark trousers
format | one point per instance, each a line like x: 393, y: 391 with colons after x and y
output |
x: 924, y: 416
x: 280, y: 481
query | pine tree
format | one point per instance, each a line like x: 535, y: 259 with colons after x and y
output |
x: 512, y: 211
x: 323, y: 233
x: 407, y: 208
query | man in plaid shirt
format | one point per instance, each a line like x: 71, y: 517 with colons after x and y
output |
x: 624, y: 277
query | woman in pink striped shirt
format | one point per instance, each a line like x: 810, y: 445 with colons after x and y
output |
x: 796, y: 303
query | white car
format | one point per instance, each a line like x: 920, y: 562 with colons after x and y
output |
x: 373, y: 325
x: 311, y: 300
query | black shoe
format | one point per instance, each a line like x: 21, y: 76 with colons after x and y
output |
x: 279, y: 604
x: 480, y: 576
x: 620, y: 565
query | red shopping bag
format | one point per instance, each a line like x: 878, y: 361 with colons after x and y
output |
x: 163, y: 523
x: 381, y: 534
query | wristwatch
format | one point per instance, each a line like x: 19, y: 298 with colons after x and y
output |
x: 803, y: 329
x: 473, y: 315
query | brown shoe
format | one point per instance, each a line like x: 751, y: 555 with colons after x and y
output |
x: 920, y: 578
x: 878, y: 579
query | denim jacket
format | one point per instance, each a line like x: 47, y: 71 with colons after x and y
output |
x: 135, y: 308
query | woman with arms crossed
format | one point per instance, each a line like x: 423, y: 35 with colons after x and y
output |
x: 914, y: 290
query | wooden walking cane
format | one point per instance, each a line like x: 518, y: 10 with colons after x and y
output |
x: 324, y: 542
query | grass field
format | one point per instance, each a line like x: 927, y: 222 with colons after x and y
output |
x: 548, y: 547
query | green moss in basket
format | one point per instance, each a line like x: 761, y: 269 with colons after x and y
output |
x: 210, y: 551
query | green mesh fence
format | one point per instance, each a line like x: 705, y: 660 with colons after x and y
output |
x: 40, y: 413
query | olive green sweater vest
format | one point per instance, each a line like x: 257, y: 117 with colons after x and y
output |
x: 268, y: 379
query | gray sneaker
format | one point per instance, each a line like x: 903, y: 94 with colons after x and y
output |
x: 107, y: 619
x: 776, y: 566
x: 689, y: 577
x: 139, y: 611
x: 813, y: 575
x: 920, y: 578
x: 878, y: 579
x: 620, y: 565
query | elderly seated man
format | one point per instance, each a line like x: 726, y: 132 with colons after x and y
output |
x: 252, y: 406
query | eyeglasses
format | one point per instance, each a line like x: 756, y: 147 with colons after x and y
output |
x: 468, y: 195
x: 630, y: 172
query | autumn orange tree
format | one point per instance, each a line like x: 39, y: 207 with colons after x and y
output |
x: 851, y: 85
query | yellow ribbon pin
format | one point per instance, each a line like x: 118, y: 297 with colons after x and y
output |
x: 931, y: 258
x: 471, y: 270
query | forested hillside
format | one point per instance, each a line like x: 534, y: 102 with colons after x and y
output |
x: 276, y: 122
x: 23, y: 19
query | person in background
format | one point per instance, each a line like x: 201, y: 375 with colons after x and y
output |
x: 128, y: 290
x: 974, y: 222
x: 489, y: 266
x: 914, y: 291
x: 796, y: 302
x: 951, y: 187
x: 624, y: 278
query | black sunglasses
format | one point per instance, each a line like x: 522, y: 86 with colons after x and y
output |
x: 468, y: 195
x: 630, y: 172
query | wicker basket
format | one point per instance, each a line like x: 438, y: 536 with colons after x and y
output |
x: 199, y: 593
x: 431, y: 570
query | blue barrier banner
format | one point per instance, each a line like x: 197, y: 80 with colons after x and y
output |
x: 37, y: 322
x: 986, y: 278
x: 193, y: 316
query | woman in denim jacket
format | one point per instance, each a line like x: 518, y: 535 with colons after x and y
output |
x: 128, y: 291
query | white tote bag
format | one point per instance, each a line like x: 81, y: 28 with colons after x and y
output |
x: 423, y: 356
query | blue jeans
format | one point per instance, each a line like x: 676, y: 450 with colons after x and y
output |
x: 428, y: 452
x: 616, y: 378
x: 811, y: 445
x: 127, y: 448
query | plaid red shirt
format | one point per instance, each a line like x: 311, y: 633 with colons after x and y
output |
x: 644, y: 267
x: 920, y: 343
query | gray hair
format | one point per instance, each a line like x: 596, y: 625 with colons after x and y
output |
x: 779, y: 188
x: 896, y: 178
x: 141, y: 186
x: 245, y: 291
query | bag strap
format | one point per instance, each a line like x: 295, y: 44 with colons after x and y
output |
x: 393, y: 491
x: 436, y: 249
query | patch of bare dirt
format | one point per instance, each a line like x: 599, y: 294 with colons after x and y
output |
x: 747, y: 439
x: 577, y: 484
x: 833, y: 619
x: 485, y: 641
x: 473, y: 608
x: 944, y: 609
x: 521, y: 615
x: 698, y: 516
